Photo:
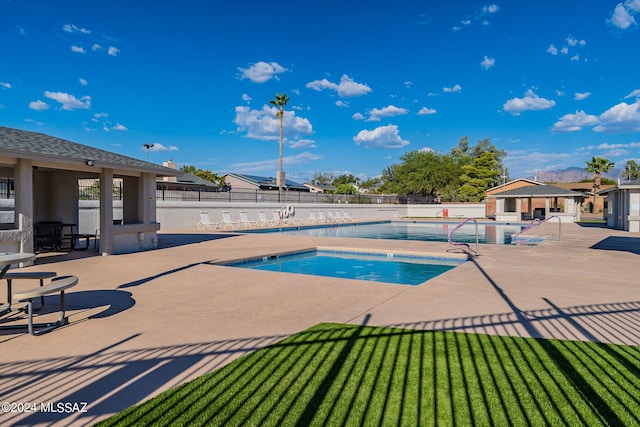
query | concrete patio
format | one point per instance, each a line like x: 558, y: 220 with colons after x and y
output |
x: 144, y: 322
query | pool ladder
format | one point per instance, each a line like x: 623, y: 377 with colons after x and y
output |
x: 456, y: 228
x: 537, y: 223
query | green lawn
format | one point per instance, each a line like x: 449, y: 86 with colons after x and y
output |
x: 335, y: 374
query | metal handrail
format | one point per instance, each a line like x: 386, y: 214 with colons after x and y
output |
x: 537, y: 223
x: 456, y: 228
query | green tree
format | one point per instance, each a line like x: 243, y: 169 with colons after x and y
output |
x: 477, y: 177
x: 422, y: 173
x: 346, y: 189
x: 372, y: 184
x: 280, y: 102
x: 346, y: 179
x: 204, y: 174
x: 325, y: 178
x: 631, y: 171
x: 597, y: 165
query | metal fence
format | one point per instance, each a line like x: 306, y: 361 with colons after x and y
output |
x: 91, y: 191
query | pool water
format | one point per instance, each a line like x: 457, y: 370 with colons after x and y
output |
x: 499, y: 234
x: 389, y: 268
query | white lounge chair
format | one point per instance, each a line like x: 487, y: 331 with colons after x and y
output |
x: 313, y: 218
x: 277, y: 217
x: 347, y: 217
x: 227, y: 222
x: 262, y: 219
x: 205, y: 222
x: 245, y: 221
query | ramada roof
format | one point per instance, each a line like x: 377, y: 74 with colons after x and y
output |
x: 539, y: 191
x: 38, y: 146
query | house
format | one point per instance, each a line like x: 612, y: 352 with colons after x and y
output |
x: 252, y: 182
x: 590, y: 203
x: 522, y: 203
x: 623, y: 207
x: 490, y: 200
x: 46, y: 170
x: 315, y: 187
x: 186, y: 181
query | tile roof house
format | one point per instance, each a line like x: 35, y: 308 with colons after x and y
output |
x: 253, y: 182
x: 557, y: 201
x: 46, y: 171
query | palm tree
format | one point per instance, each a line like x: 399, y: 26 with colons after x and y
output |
x: 597, y: 165
x: 280, y: 102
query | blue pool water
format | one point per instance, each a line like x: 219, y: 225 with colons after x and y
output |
x: 398, y: 269
x: 499, y: 234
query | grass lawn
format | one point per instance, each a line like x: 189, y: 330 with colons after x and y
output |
x: 333, y: 374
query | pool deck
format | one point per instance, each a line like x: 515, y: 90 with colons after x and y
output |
x: 142, y: 323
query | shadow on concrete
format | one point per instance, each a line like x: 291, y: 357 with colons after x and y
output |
x: 171, y: 240
x: 619, y: 243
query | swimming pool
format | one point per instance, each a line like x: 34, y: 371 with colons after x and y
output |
x: 390, y: 268
x: 499, y: 234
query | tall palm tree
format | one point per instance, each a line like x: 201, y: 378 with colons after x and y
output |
x: 280, y: 102
x: 597, y: 165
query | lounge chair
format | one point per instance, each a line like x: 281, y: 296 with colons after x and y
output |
x: 245, y: 221
x: 347, y: 217
x: 205, y: 222
x: 262, y: 219
x: 313, y: 218
x: 227, y: 222
x: 277, y: 217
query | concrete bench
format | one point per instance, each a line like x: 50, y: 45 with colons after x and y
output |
x: 27, y: 275
x: 57, y: 285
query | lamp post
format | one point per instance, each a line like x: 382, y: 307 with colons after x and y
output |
x: 148, y: 147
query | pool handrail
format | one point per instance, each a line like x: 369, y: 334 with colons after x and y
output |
x: 536, y: 223
x: 456, y: 228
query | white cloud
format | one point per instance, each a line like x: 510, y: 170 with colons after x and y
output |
x: 83, y: 82
x: 455, y: 89
x: 579, y: 96
x: 272, y: 164
x: 265, y: 125
x: 70, y: 28
x: 426, y: 111
x: 389, y: 111
x: 96, y: 46
x: 159, y: 147
x: 574, y: 122
x: 633, y: 5
x: 357, y: 116
x: 246, y: 97
x: 78, y: 49
x: 120, y: 127
x: 346, y: 88
x: 427, y: 150
x: 572, y: 41
x: 552, y: 49
x: 301, y: 143
x: 635, y: 93
x: 381, y: 137
x: 530, y: 102
x: 69, y: 102
x: 261, y: 72
x: 342, y: 104
x: 5, y: 85
x: 487, y: 63
x: 620, y: 118
x: 621, y: 17
x: 492, y: 8
x: 576, y: 57
x: 113, y: 51
x: 408, y: 83
x: 38, y: 105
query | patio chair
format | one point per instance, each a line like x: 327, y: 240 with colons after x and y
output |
x: 313, y: 218
x: 205, y: 222
x: 347, y: 217
x: 262, y: 219
x: 277, y: 217
x: 227, y: 222
x: 245, y: 221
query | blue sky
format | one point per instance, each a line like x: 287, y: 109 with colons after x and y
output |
x: 552, y: 83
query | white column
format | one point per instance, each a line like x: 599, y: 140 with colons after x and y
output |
x: 107, y: 245
x: 23, y: 208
